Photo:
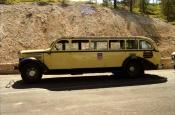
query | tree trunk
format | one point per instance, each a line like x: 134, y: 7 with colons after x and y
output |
x: 131, y: 5
x: 168, y: 13
x: 143, y: 6
x: 115, y: 3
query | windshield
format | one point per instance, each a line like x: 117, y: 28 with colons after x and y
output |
x: 51, y: 45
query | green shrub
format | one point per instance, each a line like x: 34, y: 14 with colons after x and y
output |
x: 153, y: 9
x: 42, y: 2
x: 64, y: 3
x: 136, y: 10
x: 9, y: 1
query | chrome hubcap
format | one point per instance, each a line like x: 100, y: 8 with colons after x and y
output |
x: 32, y: 73
x: 132, y: 68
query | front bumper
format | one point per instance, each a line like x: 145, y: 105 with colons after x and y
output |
x: 16, y: 67
x: 173, y: 63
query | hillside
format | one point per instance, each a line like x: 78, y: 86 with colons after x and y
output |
x: 27, y: 26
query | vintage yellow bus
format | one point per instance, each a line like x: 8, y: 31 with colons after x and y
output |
x: 74, y: 55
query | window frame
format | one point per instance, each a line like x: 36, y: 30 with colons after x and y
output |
x: 57, y: 41
x: 109, y: 44
x: 97, y: 40
x: 108, y: 41
x: 147, y: 42
x: 132, y: 40
x: 79, y: 45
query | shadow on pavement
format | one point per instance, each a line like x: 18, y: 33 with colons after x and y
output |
x: 90, y: 82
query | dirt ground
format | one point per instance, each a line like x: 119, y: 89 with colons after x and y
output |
x: 29, y: 26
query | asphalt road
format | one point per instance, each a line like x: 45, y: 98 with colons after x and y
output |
x: 90, y: 94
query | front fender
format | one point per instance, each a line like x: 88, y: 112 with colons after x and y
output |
x: 23, y: 62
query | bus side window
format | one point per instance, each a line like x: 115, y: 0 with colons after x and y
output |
x: 116, y: 44
x: 62, y: 45
x: 145, y: 45
x: 85, y: 45
x: 99, y: 45
x: 80, y: 44
x: 132, y: 44
x: 75, y: 45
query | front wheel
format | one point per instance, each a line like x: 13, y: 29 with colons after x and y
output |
x: 31, y: 73
x: 134, y: 69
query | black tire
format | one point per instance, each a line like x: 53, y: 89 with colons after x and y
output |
x: 31, y: 73
x: 134, y: 69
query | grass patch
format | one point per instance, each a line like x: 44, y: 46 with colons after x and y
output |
x: 9, y: 1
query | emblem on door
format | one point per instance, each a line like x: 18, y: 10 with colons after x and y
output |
x: 99, y: 56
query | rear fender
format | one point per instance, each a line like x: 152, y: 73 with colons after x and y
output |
x: 145, y: 64
x: 131, y: 58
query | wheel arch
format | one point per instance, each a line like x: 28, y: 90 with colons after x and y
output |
x: 132, y: 58
x: 146, y: 64
x: 32, y: 60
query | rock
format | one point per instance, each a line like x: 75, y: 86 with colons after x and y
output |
x: 27, y: 26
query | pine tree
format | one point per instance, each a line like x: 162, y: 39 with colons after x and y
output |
x: 143, y: 5
x: 167, y: 8
x: 130, y: 4
x: 115, y: 3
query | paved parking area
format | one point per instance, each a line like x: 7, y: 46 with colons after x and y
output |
x: 89, y: 94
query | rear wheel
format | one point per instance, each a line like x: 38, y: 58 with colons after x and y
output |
x: 31, y: 73
x: 134, y: 69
